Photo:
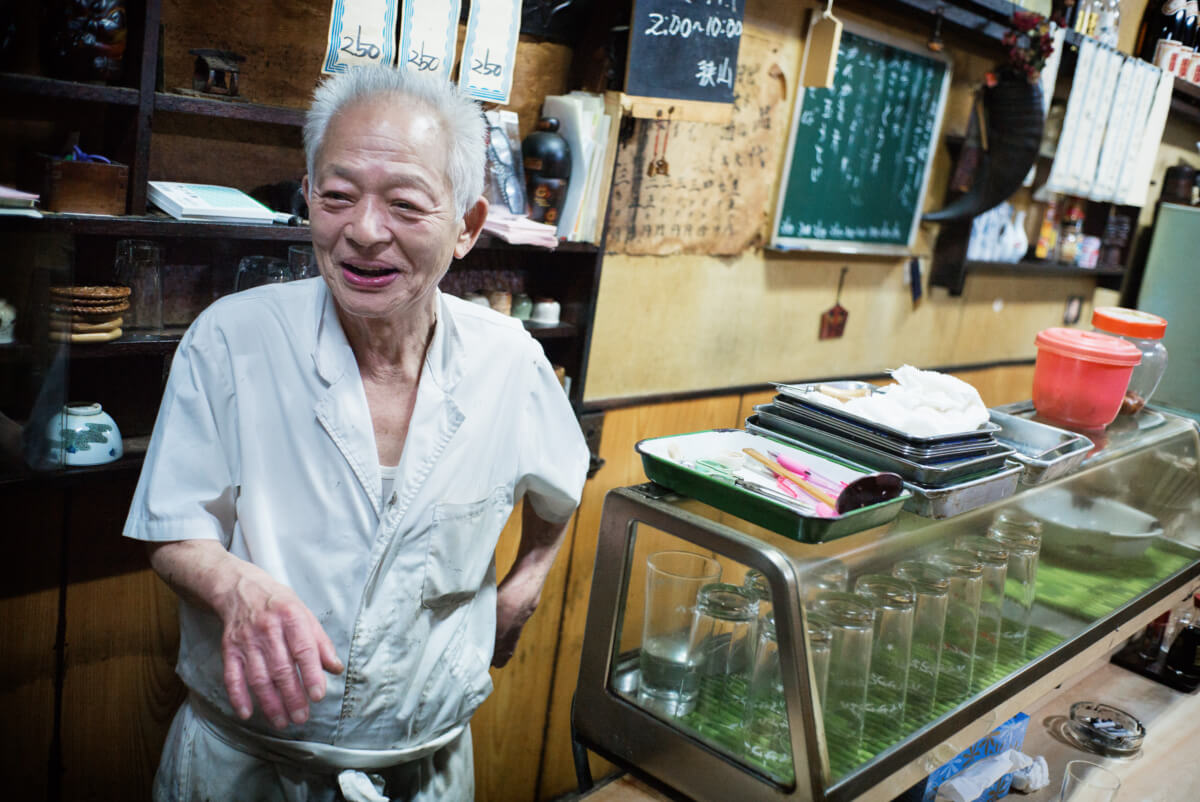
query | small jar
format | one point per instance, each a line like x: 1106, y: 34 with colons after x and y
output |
x: 1145, y: 331
x: 522, y: 307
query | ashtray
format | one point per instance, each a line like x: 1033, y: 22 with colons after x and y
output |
x: 1105, y: 729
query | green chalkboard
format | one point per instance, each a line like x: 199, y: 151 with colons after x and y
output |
x: 859, y: 153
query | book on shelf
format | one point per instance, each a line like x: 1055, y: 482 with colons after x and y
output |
x: 14, y: 202
x: 207, y: 202
x: 586, y: 121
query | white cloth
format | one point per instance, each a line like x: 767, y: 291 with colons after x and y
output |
x: 922, y: 403
x: 264, y: 442
x: 201, y: 763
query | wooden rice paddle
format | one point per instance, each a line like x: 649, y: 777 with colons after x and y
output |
x: 862, y: 492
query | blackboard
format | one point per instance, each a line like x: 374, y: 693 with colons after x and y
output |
x: 859, y: 154
x: 684, y: 50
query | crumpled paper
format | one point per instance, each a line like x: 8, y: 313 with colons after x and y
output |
x: 923, y: 403
x: 970, y: 783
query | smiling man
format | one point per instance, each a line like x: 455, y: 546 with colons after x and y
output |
x: 331, y: 467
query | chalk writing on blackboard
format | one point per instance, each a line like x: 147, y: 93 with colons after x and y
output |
x: 684, y: 49
x: 859, y: 153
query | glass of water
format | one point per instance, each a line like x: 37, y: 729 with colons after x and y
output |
x: 669, y: 680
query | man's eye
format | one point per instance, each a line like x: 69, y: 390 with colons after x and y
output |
x: 335, y: 196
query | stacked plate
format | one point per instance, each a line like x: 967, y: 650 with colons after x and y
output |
x: 947, y: 473
x: 86, y: 314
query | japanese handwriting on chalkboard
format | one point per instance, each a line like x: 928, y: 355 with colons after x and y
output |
x: 487, y: 66
x: 355, y: 46
x: 710, y: 74
x: 423, y: 61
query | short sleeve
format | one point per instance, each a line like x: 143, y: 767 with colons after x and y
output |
x: 187, y: 488
x: 553, y: 455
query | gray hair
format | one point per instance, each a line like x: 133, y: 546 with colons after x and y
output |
x: 460, y: 116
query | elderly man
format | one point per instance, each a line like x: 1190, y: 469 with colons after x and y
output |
x: 331, y: 467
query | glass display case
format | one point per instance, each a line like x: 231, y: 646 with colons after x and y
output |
x: 852, y: 668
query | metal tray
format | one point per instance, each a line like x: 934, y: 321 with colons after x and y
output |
x: 1047, y: 452
x: 757, y: 508
x: 802, y: 392
x: 933, y: 474
x: 803, y: 413
x: 946, y: 502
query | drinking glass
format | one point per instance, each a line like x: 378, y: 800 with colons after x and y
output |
x: 891, y: 651
x: 994, y: 558
x: 1084, y: 781
x: 824, y: 576
x: 1021, y: 535
x: 669, y: 681
x: 302, y: 263
x: 932, y: 586
x: 767, y: 735
x: 962, y: 624
x: 254, y: 271
x: 139, y: 266
x: 755, y: 584
x: 852, y: 627
x: 722, y: 647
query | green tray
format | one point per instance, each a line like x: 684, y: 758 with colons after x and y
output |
x: 758, y: 509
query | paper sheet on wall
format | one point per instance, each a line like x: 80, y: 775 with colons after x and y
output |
x: 490, y: 49
x: 1116, y: 135
x: 428, y: 36
x: 361, y: 32
x: 1135, y: 190
x: 1111, y: 62
x: 1069, y: 139
x: 1049, y: 80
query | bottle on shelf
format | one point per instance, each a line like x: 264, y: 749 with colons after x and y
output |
x: 1160, y: 36
x: 1087, y: 16
x: 547, y: 162
x: 1108, y: 25
x: 1047, y: 241
x: 1070, y: 233
x: 1183, y: 656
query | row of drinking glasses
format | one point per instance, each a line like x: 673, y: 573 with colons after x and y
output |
x: 885, y: 657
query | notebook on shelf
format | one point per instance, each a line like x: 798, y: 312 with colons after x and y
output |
x: 207, y: 202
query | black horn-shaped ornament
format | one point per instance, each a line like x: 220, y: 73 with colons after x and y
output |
x: 1013, y: 122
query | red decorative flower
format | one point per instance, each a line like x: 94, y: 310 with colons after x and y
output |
x: 1029, y: 44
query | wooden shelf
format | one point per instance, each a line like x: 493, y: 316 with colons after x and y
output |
x: 129, y: 465
x: 12, y: 83
x: 161, y: 225
x: 1040, y: 268
x: 544, y: 331
x: 228, y: 109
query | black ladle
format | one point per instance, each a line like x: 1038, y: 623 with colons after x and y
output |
x: 863, y: 492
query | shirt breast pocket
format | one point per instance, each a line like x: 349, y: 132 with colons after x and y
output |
x: 462, y: 541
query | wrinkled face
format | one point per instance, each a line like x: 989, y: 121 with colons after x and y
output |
x: 384, y: 227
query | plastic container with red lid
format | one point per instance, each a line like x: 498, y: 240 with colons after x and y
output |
x: 1145, y: 331
x: 1080, y: 376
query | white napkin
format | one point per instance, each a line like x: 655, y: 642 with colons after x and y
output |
x: 1034, y: 776
x: 970, y: 783
x: 923, y: 403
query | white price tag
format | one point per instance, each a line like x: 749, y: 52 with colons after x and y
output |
x: 428, y: 35
x: 490, y: 49
x: 361, y: 32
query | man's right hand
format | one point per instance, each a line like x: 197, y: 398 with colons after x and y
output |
x: 273, y: 648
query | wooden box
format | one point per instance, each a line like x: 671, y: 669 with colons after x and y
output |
x: 85, y: 187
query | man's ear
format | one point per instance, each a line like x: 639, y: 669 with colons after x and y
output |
x: 472, y: 227
x: 304, y: 188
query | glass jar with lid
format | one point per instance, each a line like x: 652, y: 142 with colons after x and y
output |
x: 1145, y: 331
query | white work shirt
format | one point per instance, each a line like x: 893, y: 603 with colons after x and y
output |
x: 264, y: 442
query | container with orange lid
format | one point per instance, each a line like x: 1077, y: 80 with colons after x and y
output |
x: 1146, y: 332
x: 1080, y: 376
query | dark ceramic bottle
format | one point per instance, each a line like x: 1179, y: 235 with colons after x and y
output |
x: 547, y: 161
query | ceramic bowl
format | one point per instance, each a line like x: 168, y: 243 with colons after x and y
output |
x: 83, y: 434
x: 546, y: 310
x: 1085, y: 529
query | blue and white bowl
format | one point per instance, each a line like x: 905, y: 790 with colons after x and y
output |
x: 83, y: 434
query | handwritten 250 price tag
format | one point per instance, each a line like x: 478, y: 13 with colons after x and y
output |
x: 361, y: 32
